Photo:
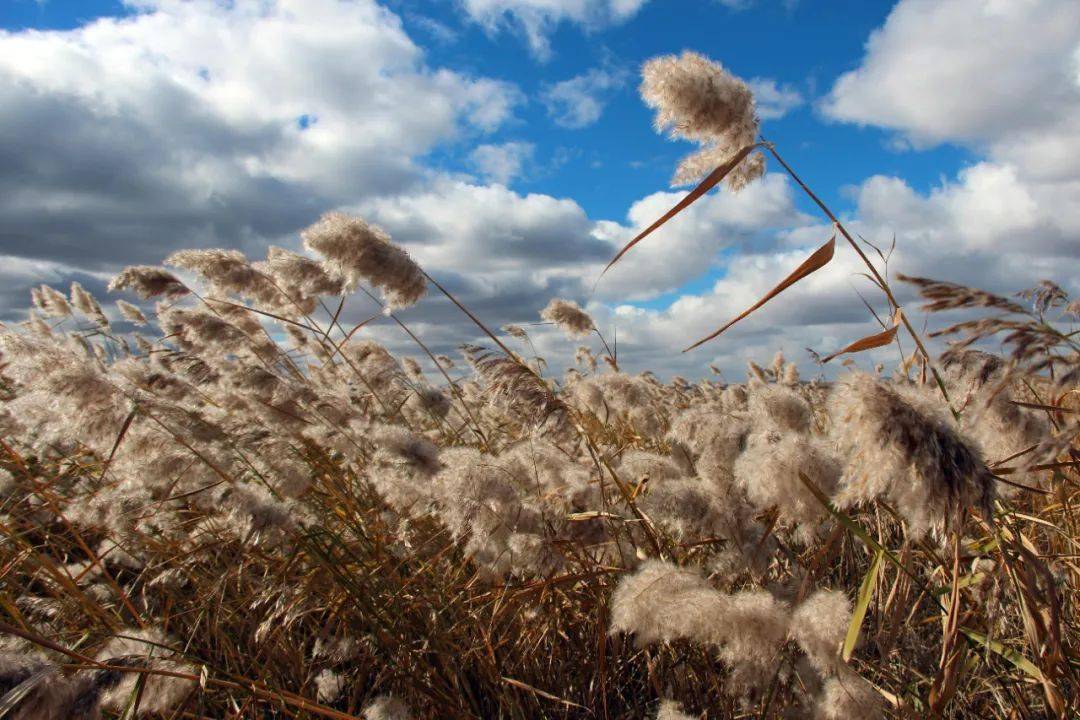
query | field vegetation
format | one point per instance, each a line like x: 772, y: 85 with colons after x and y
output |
x: 220, y: 500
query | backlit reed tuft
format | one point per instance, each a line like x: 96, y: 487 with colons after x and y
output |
x: 356, y: 250
x: 570, y: 318
x: 902, y: 448
x: 698, y: 99
x: 274, y: 499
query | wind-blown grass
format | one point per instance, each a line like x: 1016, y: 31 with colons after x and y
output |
x: 254, y: 511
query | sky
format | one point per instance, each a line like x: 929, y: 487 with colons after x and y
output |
x: 504, y: 144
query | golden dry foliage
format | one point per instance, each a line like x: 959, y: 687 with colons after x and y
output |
x: 253, y: 511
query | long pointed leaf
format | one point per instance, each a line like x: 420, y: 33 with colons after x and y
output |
x: 119, y: 439
x: 818, y: 260
x: 711, y: 181
x: 859, y: 531
x: 1014, y: 657
x: 866, y: 591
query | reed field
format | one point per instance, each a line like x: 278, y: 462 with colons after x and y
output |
x: 218, y: 499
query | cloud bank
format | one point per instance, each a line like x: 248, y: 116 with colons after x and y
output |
x: 204, y: 124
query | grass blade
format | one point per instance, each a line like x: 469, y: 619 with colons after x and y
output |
x: 1014, y: 657
x: 119, y: 439
x: 819, y: 259
x: 869, y: 342
x: 859, y: 531
x: 540, y: 693
x: 866, y: 591
x: 711, y: 181
x: 17, y: 694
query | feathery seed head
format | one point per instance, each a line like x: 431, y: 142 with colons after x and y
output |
x: 85, y: 303
x: 819, y: 625
x: 131, y: 313
x: 298, y: 275
x: 768, y: 472
x: 386, y: 707
x: 570, y: 318
x: 356, y: 250
x: 515, y: 331
x: 899, y: 448
x: 146, y: 648
x: 149, y: 282
x: 671, y: 710
x: 329, y: 685
x: 697, y: 99
x: 846, y: 696
x: 51, y: 302
x: 779, y: 407
x: 663, y: 602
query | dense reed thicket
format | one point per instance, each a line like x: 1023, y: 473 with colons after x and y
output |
x: 234, y: 506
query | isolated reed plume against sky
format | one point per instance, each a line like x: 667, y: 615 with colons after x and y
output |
x: 507, y: 147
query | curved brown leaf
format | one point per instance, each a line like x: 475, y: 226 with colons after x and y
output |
x: 869, y: 342
x: 703, y: 187
x: 818, y: 260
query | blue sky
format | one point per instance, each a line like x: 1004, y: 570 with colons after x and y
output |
x: 525, y: 157
x: 616, y: 160
x: 767, y: 40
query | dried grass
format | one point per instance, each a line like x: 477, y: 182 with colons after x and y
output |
x: 260, y: 513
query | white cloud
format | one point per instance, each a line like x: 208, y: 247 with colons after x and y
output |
x: 506, y: 254
x: 488, y: 229
x: 985, y: 229
x: 963, y: 71
x: 210, y: 123
x: 579, y: 101
x: 773, y: 100
x: 987, y: 208
x: 998, y: 74
x: 536, y: 19
x: 438, y: 31
x: 502, y: 163
x: 205, y: 123
x: 688, y: 246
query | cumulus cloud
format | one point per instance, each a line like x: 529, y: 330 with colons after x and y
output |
x: 506, y: 254
x: 1002, y: 76
x: 969, y: 71
x: 774, y: 100
x: 1003, y: 223
x: 205, y: 123
x: 696, y: 240
x: 199, y: 123
x: 536, y: 19
x: 983, y: 229
x: 502, y: 163
x: 579, y: 101
x: 489, y: 230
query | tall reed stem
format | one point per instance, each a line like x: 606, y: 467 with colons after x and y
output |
x: 881, y: 282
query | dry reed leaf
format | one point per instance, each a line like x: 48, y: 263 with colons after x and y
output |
x: 119, y: 439
x: 540, y: 693
x: 711, y: 181
x: 818, y: 260
x: 870, y: 342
